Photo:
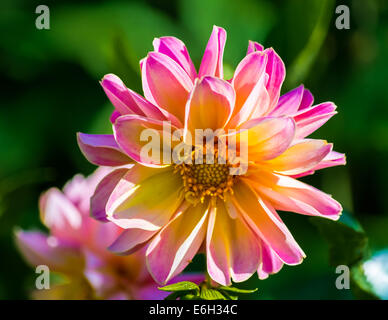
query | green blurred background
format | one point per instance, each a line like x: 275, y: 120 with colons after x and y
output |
x: 50, y: 90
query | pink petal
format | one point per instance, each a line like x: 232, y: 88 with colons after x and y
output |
x: 115, y: 114
x: 102, y: 149
x: 39, y: 249
x: 210, y: 105
x: 331, y: 160
x: 145, y: 198
x: 127, y: 101
x: 102, y: 193
x: 267, y: 225
x: 289, y: 102
x: 252, y: 98
x: 143, y: 139
x: 270, y: 262
x: 300, y: 157
x: 288, y: 194
x: 276, y: 72
x: 61, y: 216
x: 211, y: 64
x: 166, y: 84
x: 232, y: 248
x: 307, y: 100
x: 177, y: 243
x: 310, y: 119
x: 254, y: 46
x: 130, y: 241
x: 176, y: 50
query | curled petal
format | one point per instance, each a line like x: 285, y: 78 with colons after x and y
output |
x: 289, y: 194
x: 166, y: 84
x: 177, y: 243
x: 210, y: 105
x: 211, y: 64
x: 289, y: 102
x: 334, y: 158
x: 252, y: 99
x: 102, y: 193
x: 300, y: 157
x: 102, y: 149
x: 267, y: 225
x: 254, y: 46
x: 144, y: 140
x: 270, y: 263
x: 176, y: 50
x: 331, y: 160
x: 127, y: 101
x: 232, y: 248
x: 310, y: 119
x: 276, y: 72
x: 145, y: 198
x: 307, y: 100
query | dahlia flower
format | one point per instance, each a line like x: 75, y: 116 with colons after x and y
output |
x: 176, y: 209
x: 76, y: 249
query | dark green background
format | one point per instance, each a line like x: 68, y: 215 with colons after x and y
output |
x: 50, y: 90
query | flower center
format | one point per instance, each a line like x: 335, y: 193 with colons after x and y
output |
x: 207, y: 179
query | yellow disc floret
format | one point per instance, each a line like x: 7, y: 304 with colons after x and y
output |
x: 206, y: 179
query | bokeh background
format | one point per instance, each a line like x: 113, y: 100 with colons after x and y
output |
x: 50, y: 90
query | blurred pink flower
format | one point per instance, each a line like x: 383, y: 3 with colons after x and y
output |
x: 76, y: 249
x: 178, y: 209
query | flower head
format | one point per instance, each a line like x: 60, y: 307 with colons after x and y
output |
x: 176, y: 208
x: 76, y: 249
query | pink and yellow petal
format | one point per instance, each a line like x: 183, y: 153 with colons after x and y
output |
x: 177, y: 243
x: 266, y: 224
x: 166, y: 84
x: 252, y: 99
x: 210, y: 105
x: 145, y: 198
x: 267, y: 137
x: 232, y: 248
x: 176, y: 50
x: 288, y: 194
x: 300, y: 157
x: 143, y: 139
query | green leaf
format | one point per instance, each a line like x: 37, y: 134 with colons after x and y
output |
x: 348, y: 243
x: 181, y: 286
x: 211, y: 294
x: 237, y: 290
